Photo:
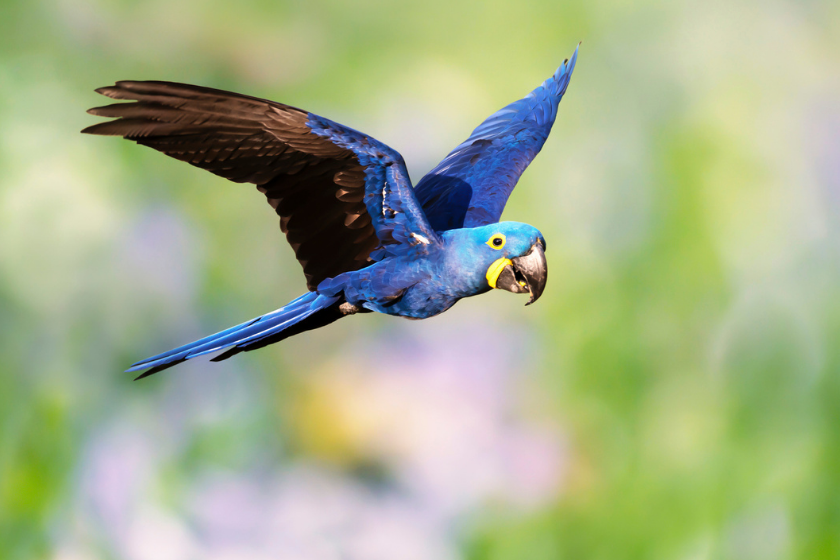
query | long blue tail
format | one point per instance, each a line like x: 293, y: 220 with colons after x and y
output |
x: 250, y: 335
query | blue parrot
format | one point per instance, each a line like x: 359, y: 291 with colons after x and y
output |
x: 366, y: 239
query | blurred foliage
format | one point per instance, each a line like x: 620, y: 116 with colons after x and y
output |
x: 684, y: 350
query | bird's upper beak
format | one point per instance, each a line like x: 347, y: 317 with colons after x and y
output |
x: 527, y: 273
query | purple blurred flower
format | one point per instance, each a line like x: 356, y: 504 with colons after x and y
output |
x: 444, y: 423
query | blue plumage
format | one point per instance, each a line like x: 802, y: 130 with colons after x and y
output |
x: 395, y: 213
x: 242, y: 335
x: 472, y: 184
x: 366, y: 239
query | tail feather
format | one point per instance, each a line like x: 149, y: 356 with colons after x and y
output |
x: 245, y: 336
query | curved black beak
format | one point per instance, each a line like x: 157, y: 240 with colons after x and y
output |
x: 527, y: 273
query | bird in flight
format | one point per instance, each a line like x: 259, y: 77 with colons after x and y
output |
x: 367, y: 240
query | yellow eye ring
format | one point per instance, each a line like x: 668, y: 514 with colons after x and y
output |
x: 497, y: 241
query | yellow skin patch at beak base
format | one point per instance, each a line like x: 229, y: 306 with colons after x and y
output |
x: 496, y: 269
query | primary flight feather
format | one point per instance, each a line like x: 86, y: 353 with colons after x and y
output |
x: 367, y: 240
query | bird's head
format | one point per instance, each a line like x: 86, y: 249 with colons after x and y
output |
x: 506, y: 255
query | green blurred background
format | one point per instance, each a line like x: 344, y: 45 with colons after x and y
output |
x: 673, y: 395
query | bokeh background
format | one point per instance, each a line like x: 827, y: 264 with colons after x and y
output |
x: 675, y: 394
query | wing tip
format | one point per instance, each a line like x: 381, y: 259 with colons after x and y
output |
x: 130, y: 90
x: 563, y: 74
x: 109, y: 128
x: 112, y: 92
x: 569, y: 63
x: 96, y: 129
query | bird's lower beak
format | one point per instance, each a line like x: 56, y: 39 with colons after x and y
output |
x: 527, y: 273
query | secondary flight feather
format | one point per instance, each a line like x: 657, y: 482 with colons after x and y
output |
x: 367, y: 240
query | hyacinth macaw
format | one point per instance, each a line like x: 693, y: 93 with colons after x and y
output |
x: 366, y: 239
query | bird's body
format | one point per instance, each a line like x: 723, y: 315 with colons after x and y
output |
x: 366, y: 239
x: 453, y: 269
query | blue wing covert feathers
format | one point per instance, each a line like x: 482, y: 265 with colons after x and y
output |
x: 472, y: 184
x: 367, y: 241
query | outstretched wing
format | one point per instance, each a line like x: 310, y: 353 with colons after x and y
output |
x: 339, y: 193
x: 471, y: 185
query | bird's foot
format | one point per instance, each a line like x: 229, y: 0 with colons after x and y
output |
x: 348, y: 308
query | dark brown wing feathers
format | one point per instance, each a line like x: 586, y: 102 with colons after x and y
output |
x: 316, y: 187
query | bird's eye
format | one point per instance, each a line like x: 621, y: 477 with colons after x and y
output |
x: 497, y: 241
